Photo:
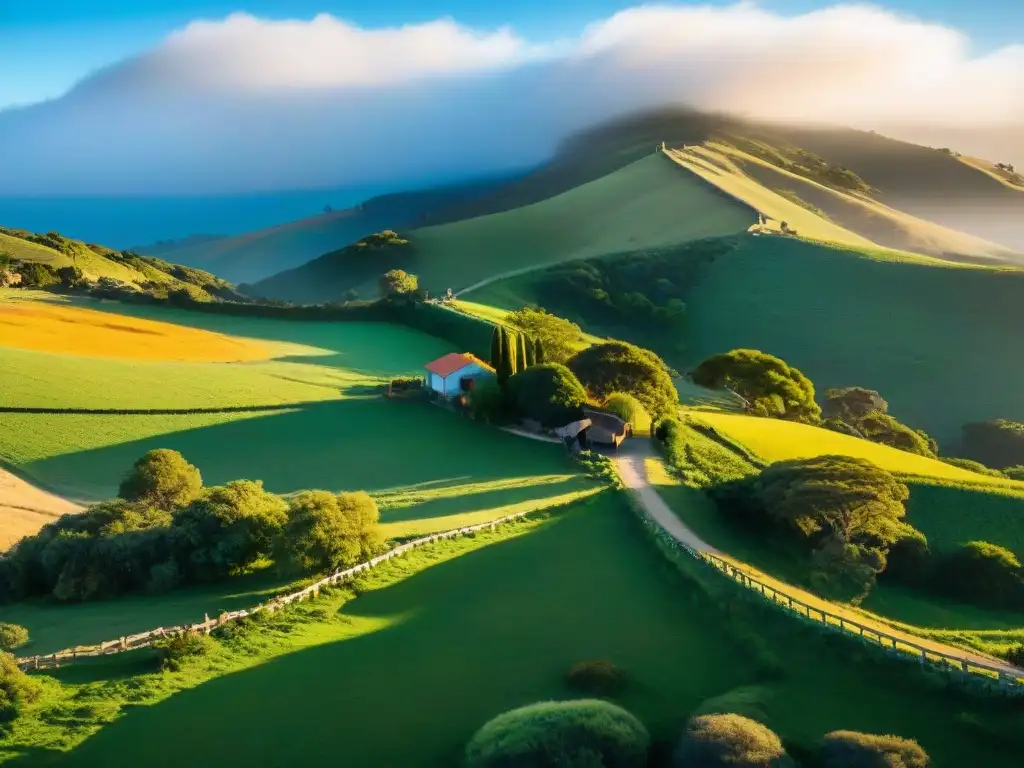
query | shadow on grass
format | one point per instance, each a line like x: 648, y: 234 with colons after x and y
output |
x: 447, y: 649
x: 359, y: 443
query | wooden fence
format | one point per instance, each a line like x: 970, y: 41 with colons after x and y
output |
x: 1004, y: 679
x: 145, y: 639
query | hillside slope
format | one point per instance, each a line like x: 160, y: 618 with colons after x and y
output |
x: 924, y: 182
x: 851, y: 216
x: 96, y: 261
x: 939, y: 342
x: 649, y: 203
x: 252, y: 256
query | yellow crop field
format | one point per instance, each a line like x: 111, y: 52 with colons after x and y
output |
x: 71, y: 330
x: 775, y: 440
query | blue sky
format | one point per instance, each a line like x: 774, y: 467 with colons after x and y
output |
x: 46, y: 46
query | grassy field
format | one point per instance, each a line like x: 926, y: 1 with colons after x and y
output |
x: 648, y: 203
x: 777, y: 440
x: 936, y: 342
x: 44, y: 327
x: 468, y: 629
x: 316, y: 420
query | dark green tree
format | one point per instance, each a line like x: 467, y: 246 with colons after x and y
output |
x: 522, y: 362
x: 982, y: 573
x: 510, y: 351
x: 770, y: 386
x: 540, y: 354
x: 851, y: 404
x: 496, y: 347
x: 162, y: 478
x: 549, y: 393
x: 996, y: 443
x: 561, y: 338
x: 616, y: 366
x: 226, y: 529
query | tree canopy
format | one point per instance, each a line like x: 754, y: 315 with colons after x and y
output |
x: 12, y: 636
x: 227, y: 528
x: 398, y: 282
x: 995, y: 443
x: 629, y: 409
x: 616, y: 366
x: 865, y: 413
x: 162, y: 478
x: 327, y: 530
x: 549, y: 393
x: 559, y: 337
x: 586, y: 733
x: 851, y: 404
x: 725, y: 741
x: 770, y: 386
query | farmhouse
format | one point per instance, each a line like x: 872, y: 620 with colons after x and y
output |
x: 455, y: 373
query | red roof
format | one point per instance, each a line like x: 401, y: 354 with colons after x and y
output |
x: 452, y: 362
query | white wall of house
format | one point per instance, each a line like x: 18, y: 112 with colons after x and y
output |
x: 449, y: 385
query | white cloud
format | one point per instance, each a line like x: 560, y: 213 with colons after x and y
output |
x: 246, y: 103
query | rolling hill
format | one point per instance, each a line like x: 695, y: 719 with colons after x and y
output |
x: 649, y: 203
x: 254, y: 255
x: 97, y: 261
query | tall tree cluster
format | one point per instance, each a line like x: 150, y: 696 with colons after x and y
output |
x: 513, y: 351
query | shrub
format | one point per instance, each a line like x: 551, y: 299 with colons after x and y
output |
x: 227, y: 528
x: 629, y: 409
x: 16, y: 688
x: 711, y: 741
x: 162, y: 478
x: 1015, y: 472
x: 616, y: 366
x: 549, y: 393
x: 398, y: 282
x: 596, y: 677
x: 1016, y: 656
x: 36, y: 275
x: 850, y: 749
x: 909, y: 559
x: 667, y: 428
x: 487, y: 401
x: 326, y: 530
x: 12, y: 636
x: 982, y: 573
x: 561, y: 734
x: 175, y: 650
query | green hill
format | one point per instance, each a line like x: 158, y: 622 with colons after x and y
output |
x: 937, y: 339
x: 97, y: 261
x: 252, y: 256
x: 649, y: 203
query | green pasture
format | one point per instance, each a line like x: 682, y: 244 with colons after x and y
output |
x: 940, y: 344
x: 468, y: 629
x: 325, y: 424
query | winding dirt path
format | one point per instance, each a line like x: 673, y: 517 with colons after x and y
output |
x: 630, y: 464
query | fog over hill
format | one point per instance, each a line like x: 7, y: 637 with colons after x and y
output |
x: 244, y: 104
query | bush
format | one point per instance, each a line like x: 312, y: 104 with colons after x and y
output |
x: 36, y: 275
x: 1016, y: 656
x: 561, y: 734
x: 1015, y: 472
x: 770, y: 386
x: 850, y: 749
x: 711, y: 741
x: 909, y: 559
x: 982, y: 573
x: 16, y: 688
x: 487, y: 401
x: 175, y: 650
x: 327, y: 531
x: 616, y: 366
x: 549, y: 393
x: 12, y: 636
x: 227, y: 529
x: 997, y: 443
x: 629, y: 409
x: 597, y: 677
x: 162, y: 478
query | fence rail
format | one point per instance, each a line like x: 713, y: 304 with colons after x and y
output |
x: 1004, y: 679
x: 145, y: 639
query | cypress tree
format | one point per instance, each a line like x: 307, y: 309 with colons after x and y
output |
x: 496, y: 348
x: 531, y: 352
x: 521, y: 361
x: 510, y: 350
x: 538, y: 352
x: 505, y: 360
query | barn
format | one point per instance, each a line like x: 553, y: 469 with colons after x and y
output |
x: 455, y: 373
